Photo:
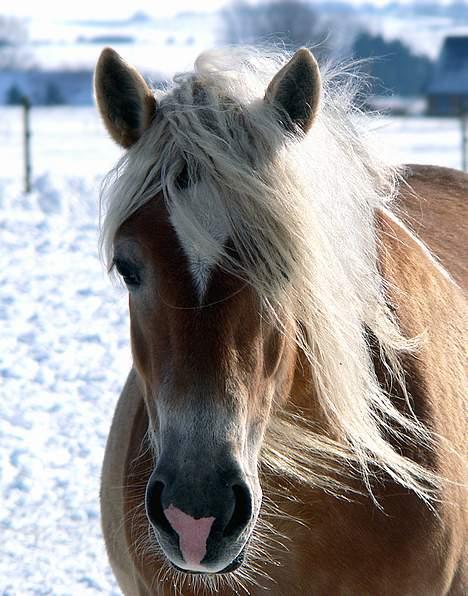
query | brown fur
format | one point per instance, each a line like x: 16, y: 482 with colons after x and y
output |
x: 331, y: 546
x: 431, y: 205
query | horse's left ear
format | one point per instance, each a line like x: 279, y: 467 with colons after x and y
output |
x: 295, y: 90
x: 125, y: 101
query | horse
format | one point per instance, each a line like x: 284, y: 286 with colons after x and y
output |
x: 294, y: 418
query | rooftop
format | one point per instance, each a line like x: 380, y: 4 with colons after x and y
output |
x: 450, y: 74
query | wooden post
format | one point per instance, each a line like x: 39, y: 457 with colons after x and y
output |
x: 27, y: 144
x: 464, y: 131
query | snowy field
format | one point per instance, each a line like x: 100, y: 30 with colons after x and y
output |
x: 64, y: 350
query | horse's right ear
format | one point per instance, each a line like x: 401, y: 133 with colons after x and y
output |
x: 125, y: 101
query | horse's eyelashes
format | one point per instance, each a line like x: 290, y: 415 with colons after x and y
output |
x: 129, y: 272
x: 188, y: 175
x: 183, y: 179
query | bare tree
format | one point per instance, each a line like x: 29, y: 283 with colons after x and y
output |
x: 14, y: 41
x: 291, y: 23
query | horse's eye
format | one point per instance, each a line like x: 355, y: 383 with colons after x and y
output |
x: 129, y: 272
x: 183, y: 178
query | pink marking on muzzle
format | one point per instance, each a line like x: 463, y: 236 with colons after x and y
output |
x: 193, y: 533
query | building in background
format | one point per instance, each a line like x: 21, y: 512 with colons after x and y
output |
x: 447, y: 92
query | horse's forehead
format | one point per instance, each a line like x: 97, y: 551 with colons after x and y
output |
x: 201, y: 264
x: 163, y: 236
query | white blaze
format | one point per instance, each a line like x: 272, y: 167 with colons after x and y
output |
x: 202, y: 259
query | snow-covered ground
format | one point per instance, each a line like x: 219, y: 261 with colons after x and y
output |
x: 63, y: 358
x: 64, y: 343
x: 71, y: 142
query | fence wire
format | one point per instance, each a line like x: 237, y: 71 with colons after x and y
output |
x: 71, y: 141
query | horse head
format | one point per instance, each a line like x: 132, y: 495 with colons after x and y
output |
x: 212, y: 359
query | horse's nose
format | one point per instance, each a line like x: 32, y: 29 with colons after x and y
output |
x: 193, y: 533
x: 154, y: 508
x: 242, y: 511
x: 224, y: 515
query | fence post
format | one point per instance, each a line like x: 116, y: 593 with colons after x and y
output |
x: 27, y: 144
x: 464, y: 119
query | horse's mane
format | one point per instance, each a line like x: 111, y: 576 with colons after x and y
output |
x: 300, y: 215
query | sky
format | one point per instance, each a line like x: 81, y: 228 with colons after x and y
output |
x: 85, y: 9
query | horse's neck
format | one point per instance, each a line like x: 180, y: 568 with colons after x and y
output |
x: 424, y: 297
x: 414, y: 279
x: 433, y: 201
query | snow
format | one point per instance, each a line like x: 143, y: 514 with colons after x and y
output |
x: 63, y: 358
x: 435, y: 141
x: 64, y: 350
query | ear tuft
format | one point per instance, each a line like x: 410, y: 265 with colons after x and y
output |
x: 295, y: 90
x: 125, y: 101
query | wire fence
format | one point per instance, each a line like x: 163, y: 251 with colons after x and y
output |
x: 71, y: 141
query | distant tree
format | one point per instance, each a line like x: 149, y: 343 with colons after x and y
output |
x: 458, y: 9
x: 292, y: 23
x: 53, y: 96
x: 14, y: 96
x: 392, y: 65
x: 14, y: 38
x: 426, y: 7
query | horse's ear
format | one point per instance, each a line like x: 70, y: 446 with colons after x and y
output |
x: 125, y: 101
x: 295, y: 90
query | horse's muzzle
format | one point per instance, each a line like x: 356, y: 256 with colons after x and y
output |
x: 228, y: 569
x: 202, y: 524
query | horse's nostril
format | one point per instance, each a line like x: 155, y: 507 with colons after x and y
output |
x: 154, y: 507
x: 242, y: 511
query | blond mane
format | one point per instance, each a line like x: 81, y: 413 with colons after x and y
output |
x: 301, y: 215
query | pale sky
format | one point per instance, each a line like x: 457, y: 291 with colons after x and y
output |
x: 100, y: 9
